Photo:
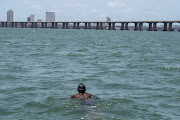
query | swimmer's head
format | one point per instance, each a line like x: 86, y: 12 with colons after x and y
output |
x: 81, y: 88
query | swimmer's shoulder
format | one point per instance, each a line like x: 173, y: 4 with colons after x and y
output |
x: 74, y: 96
x: 89, y: 95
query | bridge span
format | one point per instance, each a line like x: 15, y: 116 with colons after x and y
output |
x: 99, y: 25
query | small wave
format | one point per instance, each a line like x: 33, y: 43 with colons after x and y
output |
x: 113, y: 102
x: 63, y: 106
x: 36, y: 105
x: 123, y: 86
x: 82, y: 50
x: 74, y: 54
x: 117, y: 54
x: 174, y: 81
x: 170, y: 68
x: 100, y: 44
x: 5, y: 112
x: 161, y: 96
x: 124, y: 46
x: 25, y: 88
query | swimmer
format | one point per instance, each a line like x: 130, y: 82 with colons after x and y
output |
x: 82, y: 95
x: 87, y: 102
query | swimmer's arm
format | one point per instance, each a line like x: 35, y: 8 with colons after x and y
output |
x: 91, y: 96
x: 95, y: 97
x: 73, y: 96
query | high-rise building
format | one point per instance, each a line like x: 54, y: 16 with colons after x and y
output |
x: 28, y: 19
x: 108, y: 19
x: 10, y: 15
x: 50, y: 17
x: 31, y: 18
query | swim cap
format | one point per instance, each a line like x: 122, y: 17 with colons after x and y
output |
x: 81, y: 87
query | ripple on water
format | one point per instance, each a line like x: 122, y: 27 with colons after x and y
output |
x: 120, y: 86
x: 170, y: 68
x: 83, y: 50
x: 110, y: 107
x: 35, y: 104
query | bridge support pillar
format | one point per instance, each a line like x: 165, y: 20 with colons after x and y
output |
x: 113, y: 26
x: 126, y: 26
x: 52, y: 25
x: 2, y: 24
x: 165, y: 27
x: 170, y: 27
x: 56, y: 25
x: 42, y: 25
x: 63, y: 26
x: 12, y: 25
x: 122, y: 26
x: 78, y: 26
x: 89, y: 25
x: 85, y: 26
x: 74, y: 26
x: 16, y: 25
x: 150, y: 27
x: 140, y: 26
x: 136, y: 26
x: 32, y: 25
x: 97, y: 26
x: 154, y: 26
x: 36, y: 26
x: 109, y: 26
x: 46, y: 25
x: 25, y: 25
x: 101, y: 26
x: 67, y: 26
x: 22, y: 25
x: 5, y: 24
x: 9, y: 24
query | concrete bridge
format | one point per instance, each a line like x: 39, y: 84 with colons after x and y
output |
x: 99, y: 25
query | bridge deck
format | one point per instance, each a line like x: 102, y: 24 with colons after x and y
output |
x: 178, y: 21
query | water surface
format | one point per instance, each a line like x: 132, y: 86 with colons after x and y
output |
x: 134, y: 73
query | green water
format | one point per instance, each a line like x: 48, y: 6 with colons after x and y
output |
x: 135, y: 74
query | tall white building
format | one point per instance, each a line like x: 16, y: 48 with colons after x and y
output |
x: 10, y: 15
x: 50, y: 17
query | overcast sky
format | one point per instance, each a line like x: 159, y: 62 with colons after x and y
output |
x: 93, y: 10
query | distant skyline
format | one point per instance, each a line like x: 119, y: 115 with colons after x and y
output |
x: 94, y: 10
